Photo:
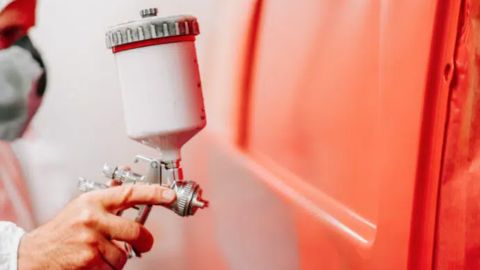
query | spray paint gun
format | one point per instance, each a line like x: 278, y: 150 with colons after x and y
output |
x: 163, y: 103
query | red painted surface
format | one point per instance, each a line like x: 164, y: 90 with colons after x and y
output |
x: 434, y: 118
x: 245, y: 96
x: 458, y: 234
x: 350, y: 112
x: 338, y: 155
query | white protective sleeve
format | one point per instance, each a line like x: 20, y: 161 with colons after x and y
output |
x: 10, y: 235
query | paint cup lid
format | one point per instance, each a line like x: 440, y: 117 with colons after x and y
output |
x: 151, y: 27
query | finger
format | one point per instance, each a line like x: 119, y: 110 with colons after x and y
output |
x: 113, y: 255
x: 115, y: 183
x: 126, y: 196
x: 101, y: 266
x: 93, y: 259
x: 120, y: 245
x: 118, y: 228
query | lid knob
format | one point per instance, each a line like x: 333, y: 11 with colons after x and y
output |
x: 148, y: 12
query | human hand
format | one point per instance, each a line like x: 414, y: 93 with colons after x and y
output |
x: 82, y: 235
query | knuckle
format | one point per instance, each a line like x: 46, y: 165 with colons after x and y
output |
x: 89, y: 255
x: 136, y: 231
x: 127, y: 193
x: 87, y: 217
x: 88, y: 238
x: 85, y: 198
x: 153, y: 194
x: 158, y: 192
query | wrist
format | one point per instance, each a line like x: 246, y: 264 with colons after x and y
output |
x: 27, y: 249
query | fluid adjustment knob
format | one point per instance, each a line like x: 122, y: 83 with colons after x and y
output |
x: 148, y: 12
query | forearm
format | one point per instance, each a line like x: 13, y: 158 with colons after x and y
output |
x: 10, y: 236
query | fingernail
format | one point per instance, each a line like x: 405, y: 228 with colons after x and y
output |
x: 168, y: 195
